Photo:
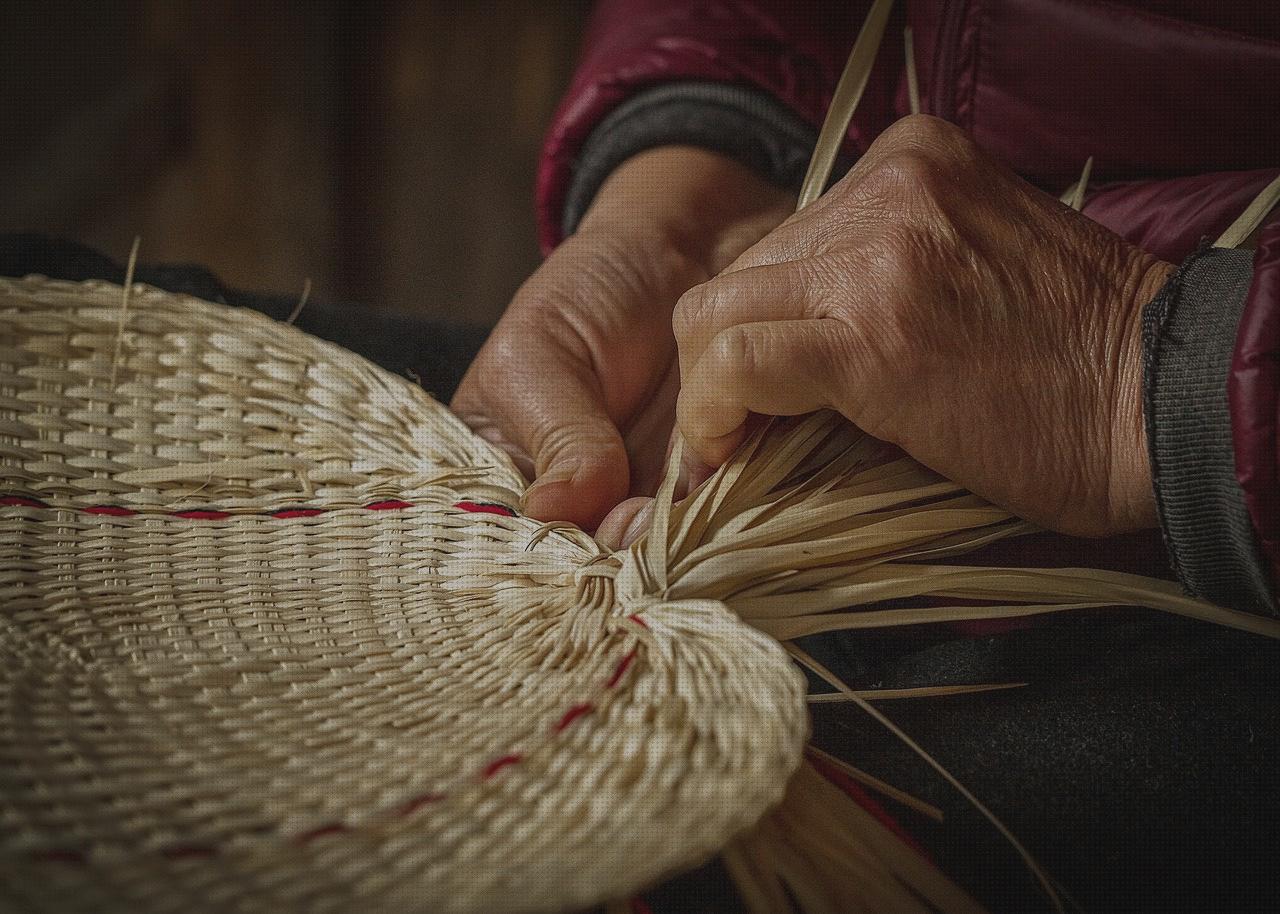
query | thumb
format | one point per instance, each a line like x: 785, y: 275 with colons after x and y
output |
x: 581, y: 462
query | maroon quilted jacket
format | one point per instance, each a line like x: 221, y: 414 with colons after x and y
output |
x: 1176, y: 100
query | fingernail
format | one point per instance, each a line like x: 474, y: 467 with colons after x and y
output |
x: 639, y: 524
x: 559, y: 473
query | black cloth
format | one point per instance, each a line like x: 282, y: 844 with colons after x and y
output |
x: 1189, y: 334
x: 1137, y: 764
x: 742, y: 123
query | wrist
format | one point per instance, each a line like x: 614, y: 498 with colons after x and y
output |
x: 1132, y: 489
x: 698, y: 204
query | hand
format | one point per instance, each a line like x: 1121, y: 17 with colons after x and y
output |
x: 941, y: 304
x: 578, y: 380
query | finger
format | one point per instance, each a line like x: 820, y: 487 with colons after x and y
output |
x: 554, y: 412
x: 625, y: 523
x: 795, y: 290
x: 783, y: 368
x: 654, y: 422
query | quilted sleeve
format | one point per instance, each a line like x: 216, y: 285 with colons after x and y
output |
x: 1211, y: 350
x: 760, y: 74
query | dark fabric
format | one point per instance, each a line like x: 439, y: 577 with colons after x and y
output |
x: 1253, y: 391
x: 1189, y: 333
x: 792, y: 51
x: 1136, y: 765
x: 736, y: 121
x: 1149, y: 88
x: 1171, y: 218
x: 434, y: 352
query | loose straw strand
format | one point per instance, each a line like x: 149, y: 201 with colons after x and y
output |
x: 913, y: 78
x: 1073, y: 196
x: 1036, y: 869
x: 1249, y: 221
x: 124, y: 306
x: 302, y: 301
x: 853, y: 82
x: 928, y: 810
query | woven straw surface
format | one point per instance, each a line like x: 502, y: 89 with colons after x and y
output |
x: 269, y: 639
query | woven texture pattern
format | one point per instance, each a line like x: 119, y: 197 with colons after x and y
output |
x: 271, y: 638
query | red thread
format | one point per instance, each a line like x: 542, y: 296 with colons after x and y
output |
x: 573, y: 714
x: 58, y: 856
x: 621, y: 671
x: 19, y: 501
x: 392, y: 504
x: 333, y: 828
x: 184, y: 851
x: 498, y: 764
x: 485, y: 507
x: 418, y: 802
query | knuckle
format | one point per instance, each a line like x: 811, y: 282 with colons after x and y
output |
x: 919, y: 130
x: 906, y: 174
x: 734, y: 352
x: 921, y: 155
x: 693, y: 310
x: 899, y: 253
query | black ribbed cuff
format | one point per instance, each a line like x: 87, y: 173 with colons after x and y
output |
x: 1188, y: 335
x: 740, y: 122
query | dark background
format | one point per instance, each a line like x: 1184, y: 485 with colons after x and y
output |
x: 385, y: 150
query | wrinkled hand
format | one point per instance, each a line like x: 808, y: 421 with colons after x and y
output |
x: 941, y: 304
x: 578, y: 381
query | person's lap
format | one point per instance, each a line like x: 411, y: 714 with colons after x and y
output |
x: 1136, y: 763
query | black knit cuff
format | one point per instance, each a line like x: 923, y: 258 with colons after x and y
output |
x: 1188, y: 335
x: 740, y: 122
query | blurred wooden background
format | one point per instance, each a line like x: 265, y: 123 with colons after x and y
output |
x: 385, y: 150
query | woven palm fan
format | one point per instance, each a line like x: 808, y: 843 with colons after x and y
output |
x: 274, y: 637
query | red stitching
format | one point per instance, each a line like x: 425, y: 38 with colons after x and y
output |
x: 573, y: 714
x: 110, y: 510
x: 499, y: 763
x: 393, y: 504
x: 71, y: 855
x: 186, y: 851
x: 67, y: 855
x: 485, y: 507
x: 418, y: 802
x: 621, y: 671
x: 332, y: 828
x: 22, y: 502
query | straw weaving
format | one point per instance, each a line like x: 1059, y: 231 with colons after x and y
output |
x: 271, y: 639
